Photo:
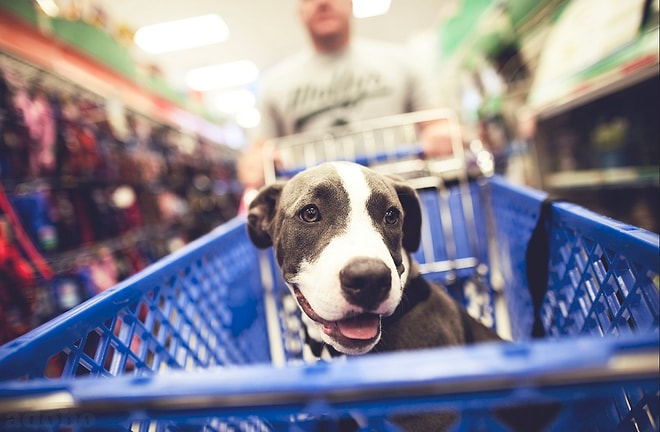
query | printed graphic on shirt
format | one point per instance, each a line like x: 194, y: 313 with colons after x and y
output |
x: 344, y: 91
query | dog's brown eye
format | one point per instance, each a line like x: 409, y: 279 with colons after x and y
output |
x: 392, y: 216
x: 310, y: 214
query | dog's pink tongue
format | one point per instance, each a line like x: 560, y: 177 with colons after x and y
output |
x: 363, y: 326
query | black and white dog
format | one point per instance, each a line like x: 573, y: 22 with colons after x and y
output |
x: 342, y: 236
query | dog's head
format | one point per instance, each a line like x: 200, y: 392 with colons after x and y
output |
x: 340, y: 233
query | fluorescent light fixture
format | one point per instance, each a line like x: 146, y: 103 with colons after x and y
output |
x: 233, y: 101
x: 370, y: 8
x: 182, y: 34
x: 248, y: 118
x: 225, y: 75
x: 49, y: 7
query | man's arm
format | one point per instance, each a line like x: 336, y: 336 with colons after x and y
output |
x: 250, y: 168
x: 435, y: 136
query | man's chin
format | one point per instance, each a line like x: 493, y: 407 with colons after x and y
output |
x: 329, y: 29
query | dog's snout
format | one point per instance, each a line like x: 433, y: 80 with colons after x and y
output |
x: 365, y: 282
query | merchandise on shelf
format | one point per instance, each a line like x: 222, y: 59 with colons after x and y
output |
x: 94, y: 193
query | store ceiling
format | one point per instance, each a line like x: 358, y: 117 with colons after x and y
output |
x: 262, y: 31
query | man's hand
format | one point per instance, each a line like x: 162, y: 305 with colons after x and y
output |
x: 436, y: 138
x: 250, y: 168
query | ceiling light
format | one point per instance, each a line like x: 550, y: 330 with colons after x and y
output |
x: 232, y: 101
x: 225, y: 75
x: 49, y: 7
x: 248, y: 118
x: 370, y: 8
x: 182, y: 34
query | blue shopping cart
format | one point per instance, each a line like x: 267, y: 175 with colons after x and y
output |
x: 208, y: 338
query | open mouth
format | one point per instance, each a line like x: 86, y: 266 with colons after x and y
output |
x: 352, y: 332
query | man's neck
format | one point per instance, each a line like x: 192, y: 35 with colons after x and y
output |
x: 331, y: 44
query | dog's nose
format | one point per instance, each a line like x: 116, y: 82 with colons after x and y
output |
x: 365, y: 282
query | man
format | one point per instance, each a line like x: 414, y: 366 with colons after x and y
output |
x: 338, y: 80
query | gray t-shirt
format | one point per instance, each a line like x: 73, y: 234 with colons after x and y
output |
x: 369, y: 79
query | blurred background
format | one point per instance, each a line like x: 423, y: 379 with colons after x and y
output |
x: 115, y: 150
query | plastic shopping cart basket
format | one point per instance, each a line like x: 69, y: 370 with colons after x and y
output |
x: 208, y: 338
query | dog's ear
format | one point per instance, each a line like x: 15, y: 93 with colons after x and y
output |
x: 412, y: 221
x: 261, y: 213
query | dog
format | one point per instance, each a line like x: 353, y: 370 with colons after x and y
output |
x: 342, y: 236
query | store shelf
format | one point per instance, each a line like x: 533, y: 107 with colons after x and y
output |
x: 22, y: 40
x: 623, y: 177
x: 626, y: 67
